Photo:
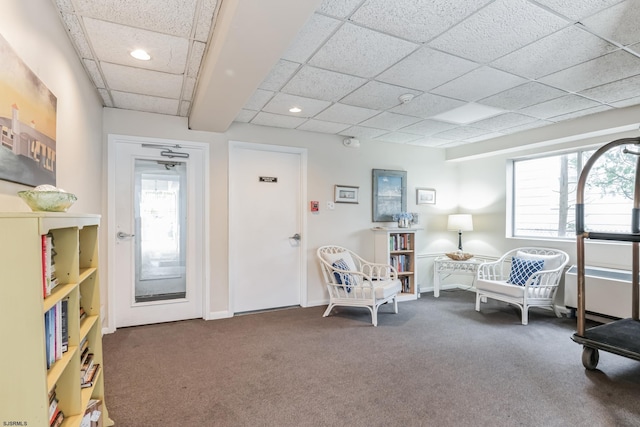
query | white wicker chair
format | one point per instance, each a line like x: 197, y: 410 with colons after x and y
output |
x: 357, y: 283
x: 538, y: 290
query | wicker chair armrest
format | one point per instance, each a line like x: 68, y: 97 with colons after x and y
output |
x: 379, y: 271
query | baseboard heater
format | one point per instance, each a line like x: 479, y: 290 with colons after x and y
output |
x: 607, y: 291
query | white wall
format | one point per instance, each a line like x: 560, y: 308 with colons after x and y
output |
x: 34, y: 31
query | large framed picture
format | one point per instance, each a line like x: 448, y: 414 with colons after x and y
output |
x: 389, y: 194
x: 346, y: 194
x: 425, y: 196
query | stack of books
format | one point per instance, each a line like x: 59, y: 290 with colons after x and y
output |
x: 55, y: 414
x: 56, y: 327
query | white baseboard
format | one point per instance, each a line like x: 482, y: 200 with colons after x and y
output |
x: 215, y: 315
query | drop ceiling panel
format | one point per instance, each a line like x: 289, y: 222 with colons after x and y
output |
x: 174, y: 17
x: 169, y: 53
x: 564, y: 105
x: 615, y: 91
x: 418, y: 21
x: 427, y: 105
x: 259, y: 99
x: 279, y: 75
x: 151, y: 104
x: 504, y: 121
x: 363, y: 132
x: 523, y: 96
x: 426, y: 69
x: 282, y: 102
x: 389, y: 121
x: 245, y: 116
x: 576, y: 10
x: 315, y: 32
x: 550, y: 54
x: 376, y: 95
x: 468, y: 89
x: 398, y: 137
x: 322, y: 84
x: 343, y: 113
x: 77, y: 35
x: 605, y: 69
x: 361, y: 52
x: 619, y: 22
x: 277, y: 120
x: 498, y: 29
x: 313, y: 125
x: 428, y: 127
x: 203, y: 19
x: 338, y: 8
x: 580, y: 113
x: 461, y: 133
x: 94, y: 72
x: 137, y: 80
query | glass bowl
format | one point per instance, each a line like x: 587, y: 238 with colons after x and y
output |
x: 48, y: 201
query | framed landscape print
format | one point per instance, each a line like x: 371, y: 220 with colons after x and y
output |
x: 346, y: 194
x: 389, y: 194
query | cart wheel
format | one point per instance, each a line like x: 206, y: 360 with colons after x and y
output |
x: 590, y: 358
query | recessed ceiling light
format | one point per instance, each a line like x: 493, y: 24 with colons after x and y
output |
x: 295, y: 109
x: 141, y: 55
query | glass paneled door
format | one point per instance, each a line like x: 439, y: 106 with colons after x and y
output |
x: 157, y: 211
x: 161, y: 230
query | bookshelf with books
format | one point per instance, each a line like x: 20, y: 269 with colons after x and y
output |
x: 396, y: 246
x: 49, y: 271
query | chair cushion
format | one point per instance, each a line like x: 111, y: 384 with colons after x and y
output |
x: 551, y: 262
x: 343, y: 278
x: 500, y: 287
x: 384, y: 288
x: 522, y: 269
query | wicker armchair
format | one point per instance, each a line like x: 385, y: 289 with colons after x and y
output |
x: 354, y: 282
x: 525, y: 277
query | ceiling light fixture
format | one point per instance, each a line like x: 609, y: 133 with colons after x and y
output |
x: 407, y: 97
x: 141, y: 55
x: 295, y: 109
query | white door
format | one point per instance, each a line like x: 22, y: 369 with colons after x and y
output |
x: 266, y: 250
x: 157, y: 204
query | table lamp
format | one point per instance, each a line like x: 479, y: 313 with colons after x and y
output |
x: 460, y: 223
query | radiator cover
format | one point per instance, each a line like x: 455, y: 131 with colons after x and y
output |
x: 607, y: 291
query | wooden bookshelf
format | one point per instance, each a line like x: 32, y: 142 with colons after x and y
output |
x: 26, y: 380
x: 396, y: 246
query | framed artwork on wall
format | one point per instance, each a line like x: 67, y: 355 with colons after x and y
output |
x: 389, y: 194
x: 425, y: 196
x: 346, y: 194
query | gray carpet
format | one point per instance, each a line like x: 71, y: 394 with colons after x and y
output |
x: 436, y: 363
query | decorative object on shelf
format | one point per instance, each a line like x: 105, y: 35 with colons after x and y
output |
x: 460, y: 223
x: 459, y: 256
x: 389, y: 194
x: 346, y: 194
x: 47, y: 198
x: 405, y: 219
x: 425, y: 196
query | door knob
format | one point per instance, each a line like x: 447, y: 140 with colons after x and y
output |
x: 122, y: 235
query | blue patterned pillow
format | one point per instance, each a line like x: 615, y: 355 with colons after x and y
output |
x: 340, y: 277
x: 522, y: 269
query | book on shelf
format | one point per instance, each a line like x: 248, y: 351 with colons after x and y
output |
x: 93, y: 414
x: 90, y: 376
x: 49, y: 280
x: 86, y: 366
x: 57, y: 421
x: 65, y: 324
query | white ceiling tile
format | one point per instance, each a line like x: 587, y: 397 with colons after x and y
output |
x: 77, y: 34
x: 338, y: 8
x: 425, y: 69
x: 527, y: 126
x: 313, y: 125
x: 151, y: 104
x: 419, y: 21
x: 106, y: 97
x: 605, y: 69
x: 189, y: 86
x: 618, y: 23
x: 113, y: 43
x: 245, y: 116
x: 580, y: 113
x: 389, y: 121
x: 94, y: 72
x: 627, y: 102
x: 427, y: 105
x: 317, y: 29
x: 468, y: 113
x: 523, y: 96
x: 259, y: 99
x: 453, y: 144
x: 277, y: 120
x: 195, y: 58
x: 362, y: 132
x: 563, y: 49
x: 484, y: 137
x: 428, y: 127
x: 504, y: 121
x: 137, y: 80
x: 376, y: 95
x: 342, y: 113
x: 577, y: 10
x: 430, y: 142
x: 398, y: 137
x: 555, y: 107
x: 281, y: 103
x: 361, y: 52
x: 468, y: 89
x: 498, y: 29
x: 461, y: 133
x: 64, y: 5
x: 171, y: 17
x: 184, y: 108
x: 279, y: 75
x: 322, y: 84
x: 204, y: 19
x: 616, y: 91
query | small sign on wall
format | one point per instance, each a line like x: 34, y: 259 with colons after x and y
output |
x: 268, y: 179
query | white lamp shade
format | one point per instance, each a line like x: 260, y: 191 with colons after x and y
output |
x: 460, y: 222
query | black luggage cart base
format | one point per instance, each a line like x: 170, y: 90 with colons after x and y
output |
x: 619, y: 337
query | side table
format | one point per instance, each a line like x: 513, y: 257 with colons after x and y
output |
x: 446, y: 266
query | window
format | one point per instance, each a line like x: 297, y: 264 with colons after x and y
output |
x: 544, y: 193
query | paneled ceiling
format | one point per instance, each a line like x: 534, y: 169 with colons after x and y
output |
x: 434, y: 73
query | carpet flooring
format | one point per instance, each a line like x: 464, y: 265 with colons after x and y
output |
x: 437, y: 362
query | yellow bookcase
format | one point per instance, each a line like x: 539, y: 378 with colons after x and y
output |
x: 26, y: 381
